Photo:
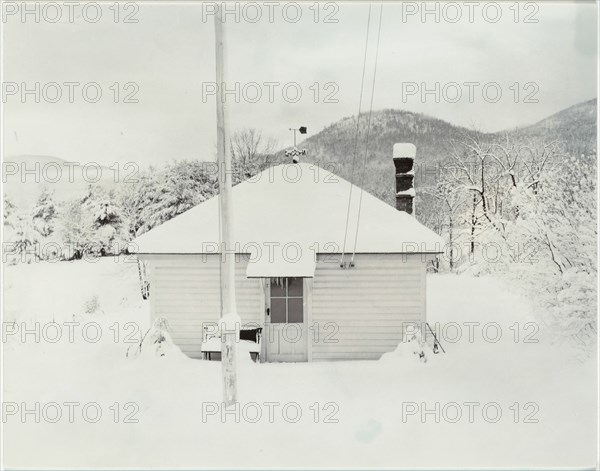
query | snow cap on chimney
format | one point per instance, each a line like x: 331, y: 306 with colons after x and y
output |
x: 404, y: 149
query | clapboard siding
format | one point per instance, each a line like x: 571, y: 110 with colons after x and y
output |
x: 359, y: 313
x: 353, y: 314
x: 185, y: 289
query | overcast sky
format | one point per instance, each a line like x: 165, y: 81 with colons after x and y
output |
x: 169, y: 55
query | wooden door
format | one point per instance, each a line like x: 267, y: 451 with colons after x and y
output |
x: 285, y: 335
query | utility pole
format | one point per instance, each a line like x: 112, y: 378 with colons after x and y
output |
x: 230, y: 321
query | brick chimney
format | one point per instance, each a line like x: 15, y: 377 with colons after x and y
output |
x: 404, y: 159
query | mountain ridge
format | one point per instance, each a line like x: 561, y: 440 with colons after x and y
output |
x: 333, y: 147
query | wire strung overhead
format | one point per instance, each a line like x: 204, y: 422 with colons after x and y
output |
x: 362, y: 179
x: 357, y: 134
x: 362, y: 84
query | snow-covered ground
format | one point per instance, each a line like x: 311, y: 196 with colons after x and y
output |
x: 165, y: 412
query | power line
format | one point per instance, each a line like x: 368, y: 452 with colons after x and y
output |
x: 362, y: 84
x: 362, y: 180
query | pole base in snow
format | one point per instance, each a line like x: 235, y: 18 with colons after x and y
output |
x: 230, y: 328
x: 229, y: 366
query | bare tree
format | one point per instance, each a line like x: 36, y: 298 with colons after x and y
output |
x: 471, y: 169
x: 251, y: 153
x: 451, y: 202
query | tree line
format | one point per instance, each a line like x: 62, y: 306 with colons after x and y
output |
x: 524, y: 210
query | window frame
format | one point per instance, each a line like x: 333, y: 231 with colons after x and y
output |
x: 286, y: 296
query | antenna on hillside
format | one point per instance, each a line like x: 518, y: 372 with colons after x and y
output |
x: 295, y: 152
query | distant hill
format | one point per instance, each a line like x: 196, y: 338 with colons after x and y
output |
x: 333, y: 147
x: 25, y: 175
x: 574, y: 126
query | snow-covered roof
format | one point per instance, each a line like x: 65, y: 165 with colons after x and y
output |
x: 289, y: 206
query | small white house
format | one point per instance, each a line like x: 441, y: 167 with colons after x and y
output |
x: 291, y: 225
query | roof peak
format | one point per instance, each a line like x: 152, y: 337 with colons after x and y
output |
x: 300, y: 204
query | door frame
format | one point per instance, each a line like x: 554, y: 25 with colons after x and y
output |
x: 307, y: 284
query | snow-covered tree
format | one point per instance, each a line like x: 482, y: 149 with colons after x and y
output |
x: 446, y: 206
x: 172, y: 191
x: 44, y: 213
x: 9, y: 209
x: 104, y: 215
x: 471, y: 171
x: 23, y: 240
x: 133, y: 198
x: 528, y: 211
x: 75, y: 229
x: 558, y: 217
